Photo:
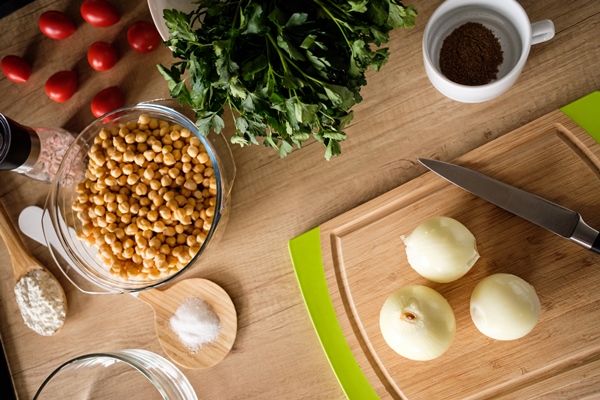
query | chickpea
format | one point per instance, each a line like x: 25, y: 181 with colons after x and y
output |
x: 185, y: 133
x: 144, y: 119
x: 210, y: 211
x: 124, y: 207
x: 166, y: 181
x: 150, y: 253
x: 132, y: 272
x: 203, y: 158
x: 191, y: 241
x: 110, y: 218
x: 172, y: 205
x: 190, y: 185
x: 131, y: 229
x: 169, y: 159
x: 141, y: 189
x: 133, y: 179
x: 179, y: 214
x: 87, y: 229
x: 148, y: 234
x: 99, y: 210
x: 139, y: 159
x: 181, y: 200
x: 154, y: 273
x: 165, y: 249
x: 130, y: 138
x: 158, y: 201
x: 141, y: 242
x: 149, y: 173
x: 184, y: 258
x: 155, y: 184
x: 165, y: 212
x: 128, y: 252
x: 126, y: 218
x: 143, y: 224
x: 173, y: 173
x: 134, y: 208
x: 177, y: 251
x: 157, y: 147
x: 110, y: 238
x: 119, y: 233
x: 136, y: 258
x: 110, y: 181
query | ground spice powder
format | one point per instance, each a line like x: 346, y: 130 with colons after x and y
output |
x: 471, y: 55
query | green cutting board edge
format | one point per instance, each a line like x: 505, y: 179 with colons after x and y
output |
x: 305, y: 251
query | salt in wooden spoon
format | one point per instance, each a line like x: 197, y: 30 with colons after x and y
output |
x: 165, y: 304
x: 22, y: 261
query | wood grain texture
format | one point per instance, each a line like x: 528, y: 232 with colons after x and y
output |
x: 276, y: 354
x: 365, y: 261
x: 165, y: 304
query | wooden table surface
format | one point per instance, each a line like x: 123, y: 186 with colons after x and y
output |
x: 276, y: 354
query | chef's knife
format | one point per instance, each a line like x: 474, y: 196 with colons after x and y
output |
x: 555, y: 218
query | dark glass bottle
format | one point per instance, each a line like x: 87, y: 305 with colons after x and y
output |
x: 34, y: 152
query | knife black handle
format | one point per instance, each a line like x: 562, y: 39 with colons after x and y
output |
x: 596, y: 245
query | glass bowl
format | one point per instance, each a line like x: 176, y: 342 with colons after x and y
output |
x: 79, y: 260
x: 126, y: 374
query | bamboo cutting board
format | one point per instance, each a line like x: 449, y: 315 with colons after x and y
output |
x: 364, y: 261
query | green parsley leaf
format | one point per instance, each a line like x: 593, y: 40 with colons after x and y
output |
x: 288, y: 71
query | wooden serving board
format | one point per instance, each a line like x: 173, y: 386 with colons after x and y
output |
x: 364, y: 261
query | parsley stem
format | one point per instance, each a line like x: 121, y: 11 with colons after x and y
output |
x: 286, y: 60
x: 282, y: 56
x: 334, y: 19
x: 237, y: 13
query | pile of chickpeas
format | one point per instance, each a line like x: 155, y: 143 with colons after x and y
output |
x: 148, y: 199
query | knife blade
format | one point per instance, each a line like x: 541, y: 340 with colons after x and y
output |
x: 553, y: 217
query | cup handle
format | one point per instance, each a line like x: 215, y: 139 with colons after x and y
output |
x: 542, y: 31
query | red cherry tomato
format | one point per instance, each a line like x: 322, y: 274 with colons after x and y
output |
x: 143, y: 37
x: 15, y: 68
x: 56, y: 25
x: 106, y: 101
x: 100, y: 13
x: 61, y: 86
x: 102, y: 56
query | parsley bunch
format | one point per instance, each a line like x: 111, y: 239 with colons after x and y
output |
x: 286, y: 69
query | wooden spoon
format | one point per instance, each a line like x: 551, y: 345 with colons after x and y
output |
x: 165, y: 304
x: 22, y: 260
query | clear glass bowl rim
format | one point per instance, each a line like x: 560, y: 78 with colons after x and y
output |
x: 53, y: 207
x: 132, y: 358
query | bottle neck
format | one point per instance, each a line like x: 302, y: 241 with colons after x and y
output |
x: 19, y: 146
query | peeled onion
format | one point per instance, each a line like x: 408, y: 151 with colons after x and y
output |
x: 417, y: 322
x: 441, y: 249
x: 504, y: 307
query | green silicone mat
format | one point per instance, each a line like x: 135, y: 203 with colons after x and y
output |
x: 305, y: 251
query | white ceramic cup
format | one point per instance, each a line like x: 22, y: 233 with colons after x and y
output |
x: 508, y: 22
